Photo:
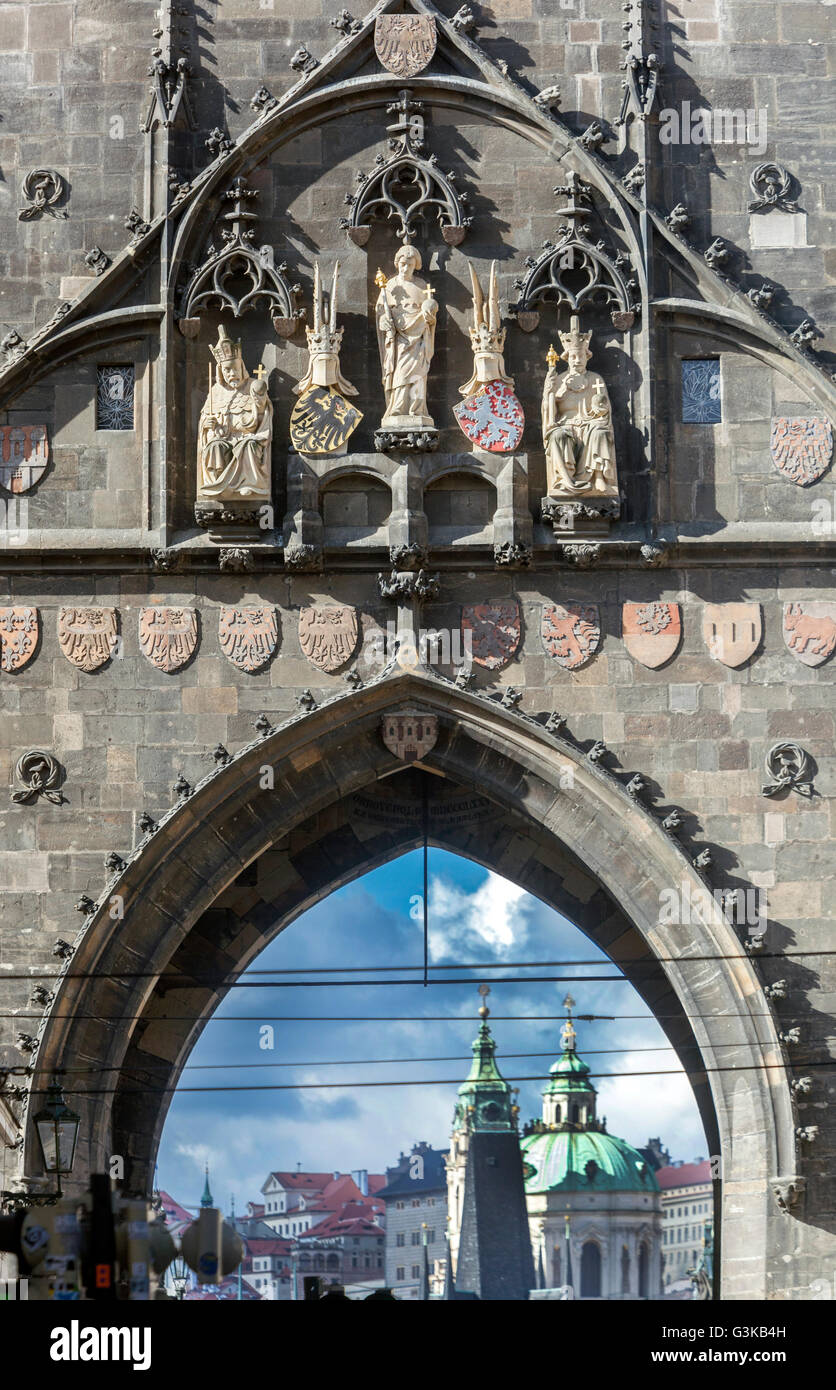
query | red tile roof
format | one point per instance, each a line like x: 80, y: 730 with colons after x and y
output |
x: 260, y: 1245
x: 174, y: 1213
x: 684, y: 1174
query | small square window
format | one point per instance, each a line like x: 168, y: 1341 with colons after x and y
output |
x: 701, y: 391
x: 115, y: 398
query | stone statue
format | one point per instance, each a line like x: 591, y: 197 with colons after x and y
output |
x: 405, y: 313
x: 235, y: 432
x: 577, y: 424
x: 322, y: 418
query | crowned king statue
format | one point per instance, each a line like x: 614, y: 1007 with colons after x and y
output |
x: 577, y: 424
x: 235, y: 431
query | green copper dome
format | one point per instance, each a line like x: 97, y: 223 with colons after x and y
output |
x: 557, y: 1161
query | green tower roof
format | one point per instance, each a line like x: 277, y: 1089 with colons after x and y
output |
x: 485, y: 1098
x: 207, y: 1200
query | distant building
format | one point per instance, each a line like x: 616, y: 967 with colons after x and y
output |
x: 687, y: 1203
x: 296, y: 1202
x: 415, y: 1198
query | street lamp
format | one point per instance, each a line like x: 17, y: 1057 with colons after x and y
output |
x: 179, y: 1275
x: 57, y: 1129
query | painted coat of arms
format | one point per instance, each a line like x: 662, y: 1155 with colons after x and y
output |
x: 167, y: 636
x: 248, y: 636
x: 810, y: 631
x: 651, y: 631
x: 801, y: 447
x: 328, y: 636
x: 87, y: 636
x: 492, y: 418
x: 732, y: 631
x: 571, y: 633
x: 404, y: 43
x: 24, y: 455
x: 491, y: 632
x: 322, y: 421
x: 409, y: 734
x: 19, y: 630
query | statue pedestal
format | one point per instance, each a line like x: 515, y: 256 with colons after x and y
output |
x: 229, y: 521
x: 417, y: 433
x: 587, y: 516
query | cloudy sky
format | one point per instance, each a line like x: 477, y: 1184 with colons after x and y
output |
x: 476, y: 917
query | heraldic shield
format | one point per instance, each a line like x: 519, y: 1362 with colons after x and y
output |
x: 732, y: 631
x: 801, y: 447
x: 810, y: 631
x: 491, y: 632
x: 651, y: 631
x: 405, y: 43
x: 88, y: 637
x: 409, y: 734
x: 167, y: 636
x: 248, y: 636
x: 328, y: 636
x: 19, y: 631
x: 24, y: 455
x: 322, y: 421
x: 571, y: 633
x: 492, y: 418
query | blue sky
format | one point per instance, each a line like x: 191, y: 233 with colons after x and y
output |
x: 475, y: 916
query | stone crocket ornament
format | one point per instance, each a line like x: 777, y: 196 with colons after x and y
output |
x: 490, y: 416
x: 235, y: 432
x: 577, y: 424
x: 322, y: 418
x: 405, y: 314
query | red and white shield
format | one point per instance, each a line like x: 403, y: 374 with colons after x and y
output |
x: 167, y: 636
x: 801, y: 447
x: 328, y: 636
x: 405, y: 43
x: 810, y: 631
x: 409, y: 734
x: 19, y: 629
x: 24, y: 455
x: 651, y: 631
x: 492, y: 418
x: 732, y: 631
x: 491, y: 632
x: 87, y: 636
x: 571, y: 633
x: 248, y: 636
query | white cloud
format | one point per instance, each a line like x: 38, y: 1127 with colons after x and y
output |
x: 637, y: 1107
x: 495, y: 916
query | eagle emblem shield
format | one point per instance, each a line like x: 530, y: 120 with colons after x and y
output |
x: 88, y: 637
x: 328, y: 636
x: 409, y: 734
x: 405, y: 43
x: 492, y: 418
x: 651, y: 631
x: 322, y: 421
x: 24, y: 455
x: 491, y: 632
x: 801, y: 447
x: 810, y: 631
x: 19, y: 631
x: 248, y: 636
x: 732, y: 631
x: 167, y: 636
x: 571, y: 633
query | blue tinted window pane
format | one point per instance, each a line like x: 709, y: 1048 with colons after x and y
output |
x: 701, y: 392
x: 115, y: 398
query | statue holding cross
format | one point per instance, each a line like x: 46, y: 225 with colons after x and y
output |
x: 235, y: 432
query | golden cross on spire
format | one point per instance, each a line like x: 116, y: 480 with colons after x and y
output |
x: 484, y: 990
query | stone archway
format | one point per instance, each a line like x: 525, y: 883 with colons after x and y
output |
x: 142, y: 984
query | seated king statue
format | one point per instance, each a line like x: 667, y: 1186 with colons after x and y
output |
x: 235, y: 434
x: 577, y: 424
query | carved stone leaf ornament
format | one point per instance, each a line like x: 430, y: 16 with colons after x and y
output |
x: 24, y: 455
x: 492, y: 631
x: 41, y: 775
x: 788, y: 765
x: 801, y: 447
x: 651, y: 631
x: 167, y: 636
x: 88, y: 637
x: 571, y: 633
x: 810, y: 631
x: 409, y: 734
x: 19, y: 632
x: 405, y: 44
x: 732, y: 631
x: 328, y: 636
x: 248, y: 636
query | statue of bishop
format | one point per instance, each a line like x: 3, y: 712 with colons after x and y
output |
x: 405, y: 313
x: 322, y: 418
x: 577, y: 424
x: 235, y: 431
